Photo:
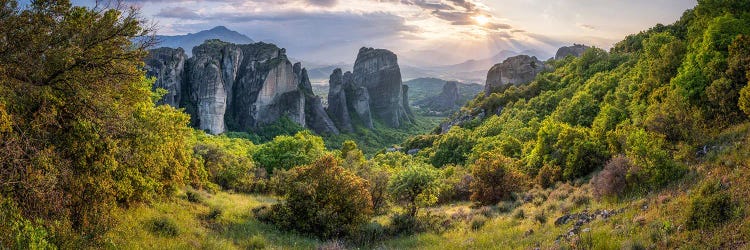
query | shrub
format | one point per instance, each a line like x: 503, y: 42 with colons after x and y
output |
x: 415, y: 186
x: 519, y: 214
x: 193, y: 196
x: 647, y: 151
x: 540, y: 216
x: 548, y: 175
x: 454, y: 184
x: 369, y: 234
x: 494, y: 179
x: 256, y: 242
x: 478, y: 222
x: 453, y: 147
x: 163, y: 226
x: 612, y: 180
x: 323, y: 199
x: 18, y: 232
x: 711, y: 206
x: 286, y: 152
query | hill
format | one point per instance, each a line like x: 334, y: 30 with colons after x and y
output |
x: 190, y: 40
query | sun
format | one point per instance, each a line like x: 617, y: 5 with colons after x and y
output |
x: 481, y: 19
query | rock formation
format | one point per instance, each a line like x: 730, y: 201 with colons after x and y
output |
x: 167, y: 66
x: 226, y: 86
x: 337, y: 107
x: 378, y: 71
x: 575, y: 50
x: 445, y: 101
x: 514, y: 70
x: 357, y: 100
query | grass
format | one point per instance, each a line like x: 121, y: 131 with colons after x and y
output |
x: 233, y: 228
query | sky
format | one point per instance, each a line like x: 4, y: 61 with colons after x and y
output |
x: 421, y: 32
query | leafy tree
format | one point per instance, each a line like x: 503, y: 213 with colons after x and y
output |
x: 229, y: 162
x: 647, y: 151
x: 80, y: 131
x: 415, y: 186
x: 286, y: 152
x: 495, y: 178
x: 453, y: 147
x: 323, y: 199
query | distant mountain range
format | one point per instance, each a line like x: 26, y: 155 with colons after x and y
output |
x: 190, y: 40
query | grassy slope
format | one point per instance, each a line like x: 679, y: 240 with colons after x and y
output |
x: 234, y: 228
x: 653, y: 220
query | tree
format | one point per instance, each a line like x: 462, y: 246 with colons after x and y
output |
x: 415, y: 186
x: 80, y: 131
x: 323, y: 199
x: 286, y: 152
x: 453, y: 147
x: 495, y: 179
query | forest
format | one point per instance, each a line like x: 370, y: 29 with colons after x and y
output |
x: 644, y: 146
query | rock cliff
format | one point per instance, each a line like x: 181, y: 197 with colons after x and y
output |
x: 514, y: 70
x: 378, y: 71
x: 167, y: 66
x: 575, y: 50
x: 226, y: 86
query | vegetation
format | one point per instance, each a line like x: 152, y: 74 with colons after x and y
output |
x: 656, y: 130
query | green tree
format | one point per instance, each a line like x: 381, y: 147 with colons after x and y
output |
x: 286, y: 152
x: 453, y: 147
x: 80, y: 131
x: 415, y: 186
x: 323, y: 199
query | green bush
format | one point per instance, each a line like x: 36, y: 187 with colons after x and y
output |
x: 163, y: 226
x: 415, y: 186
x: 286, y: 152
x: 323, y: 199
x: 453, y: 147
x: 710, y: 206
x: 20, y: 233
x: 648, y: 152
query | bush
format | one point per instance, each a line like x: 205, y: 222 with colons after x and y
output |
x: 256, y: 242
x: 18, y: 232
x: 478, y: 222
x: 454, y: 184
x: 415, y: 186
x: 323, y: 199
x: 163, y: 226
x: 711, y: 206
x: 646, y: 150
x: 193, y: 196
x: 494, y: 179
x: 612, y: 180
x: 286, y: 152
x: 453, y: 147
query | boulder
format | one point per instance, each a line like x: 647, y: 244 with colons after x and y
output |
x: 513, y: 71
x: 576, y: 50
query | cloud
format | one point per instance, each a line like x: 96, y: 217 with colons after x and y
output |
x: 178, y: 12
x: 587, y: 26
x: 322, y: 3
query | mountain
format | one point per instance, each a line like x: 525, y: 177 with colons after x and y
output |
x: 190, y: 40
x: 425, y: 90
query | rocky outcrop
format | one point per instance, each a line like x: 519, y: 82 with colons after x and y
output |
x: 513, y: 71
x: 357, y: 101
x: 167, y: 65
x: 378, y: 71
x: 337, y: 107
x: 447, y: 100
x: 576, y: 50
x: 234, y: 87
